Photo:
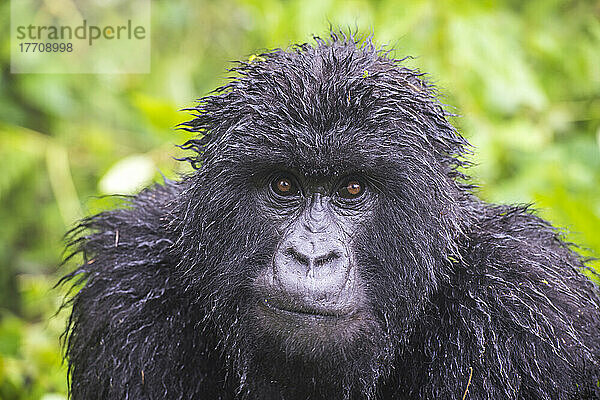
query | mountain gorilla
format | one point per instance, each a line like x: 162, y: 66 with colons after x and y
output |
x: 327, y: 246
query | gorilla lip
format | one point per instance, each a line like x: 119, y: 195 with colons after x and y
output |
x: 306, y: 312
x: 277, y: 301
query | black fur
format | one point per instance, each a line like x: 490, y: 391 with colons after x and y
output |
x: 466, y: 299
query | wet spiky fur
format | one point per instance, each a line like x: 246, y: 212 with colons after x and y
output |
x: 469, y: 300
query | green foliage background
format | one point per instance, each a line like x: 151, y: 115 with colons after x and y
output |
x: 524, y: 76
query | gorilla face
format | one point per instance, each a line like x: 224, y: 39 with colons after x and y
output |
x: 304, y: 297
x: 312, y: 282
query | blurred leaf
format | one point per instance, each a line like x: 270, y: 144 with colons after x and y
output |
x: 162, y: 114
x: 59, y: 172
x: 54, y: 396
x: 20, y: 149
x: 489, y: 44
x: 11, y: 331
x: 128, y: 175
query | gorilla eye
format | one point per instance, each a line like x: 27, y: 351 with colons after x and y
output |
x: 284, y: 186
x: 352, y: 189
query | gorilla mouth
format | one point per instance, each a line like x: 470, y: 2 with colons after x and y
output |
x: 306, y: 311
x: 330, y: 324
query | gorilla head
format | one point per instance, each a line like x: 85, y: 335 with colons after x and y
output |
x: 326, y: 209
x: 327, y: 246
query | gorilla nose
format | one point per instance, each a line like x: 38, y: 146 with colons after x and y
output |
x: 312, y: 268
x: 313, y: 263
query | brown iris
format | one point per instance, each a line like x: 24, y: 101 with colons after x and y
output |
x: 284, y: 186
x: 351, y: 189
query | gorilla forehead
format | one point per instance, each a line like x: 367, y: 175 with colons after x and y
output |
x: 338, y: 103
x: 310, y: 154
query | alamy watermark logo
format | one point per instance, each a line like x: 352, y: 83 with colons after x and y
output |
x: 80, y: 36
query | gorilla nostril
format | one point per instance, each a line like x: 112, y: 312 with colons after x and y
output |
x: 327, y: 258
x: 296, y: 255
